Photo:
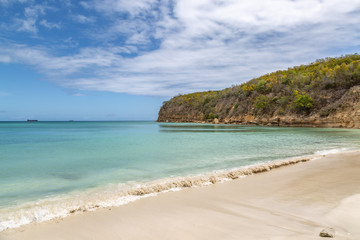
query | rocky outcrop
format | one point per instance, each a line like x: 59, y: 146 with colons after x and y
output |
x: 327, y: 232
x: 345, y: 112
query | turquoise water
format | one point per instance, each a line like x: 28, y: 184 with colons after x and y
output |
x: 43, y: 161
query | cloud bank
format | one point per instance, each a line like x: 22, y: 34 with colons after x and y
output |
x: 165, y: 47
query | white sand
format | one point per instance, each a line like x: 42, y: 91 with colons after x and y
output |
x: 293, y: 202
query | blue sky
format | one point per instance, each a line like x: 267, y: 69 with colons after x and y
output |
x: 120, y: 59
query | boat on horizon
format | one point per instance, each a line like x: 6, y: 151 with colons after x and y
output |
x: 31, y: 120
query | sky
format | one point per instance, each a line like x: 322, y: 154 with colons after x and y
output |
x: 120, y: 59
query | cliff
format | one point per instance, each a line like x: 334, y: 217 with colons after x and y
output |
x: 325, y: 93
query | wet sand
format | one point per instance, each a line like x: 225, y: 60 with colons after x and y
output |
x: 291, y: 202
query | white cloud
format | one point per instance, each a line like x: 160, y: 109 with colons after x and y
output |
x: 26, y: 25
x: 133, y: 7
x: 5, y: 59
x: 83, y: 19
x: 85, y: 5
x: 31, y: 14
x: 70, y: 42
x: 67, y: 3
x: 78, y: 95
x: 49, y: 25
x: 203, y: 44
x: 8, y: 2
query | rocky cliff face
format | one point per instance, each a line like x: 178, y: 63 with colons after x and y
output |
x: 310, y: 103
x: 347, y: 115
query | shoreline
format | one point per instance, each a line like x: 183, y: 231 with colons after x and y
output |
x: 60, y: 207
x: 248, y: 188
x: 267, y: 122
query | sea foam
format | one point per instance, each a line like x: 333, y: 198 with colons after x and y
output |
x: 331, y: 151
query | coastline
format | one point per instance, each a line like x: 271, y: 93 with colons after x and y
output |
x: 293, y: 121
x: 295, y: 202
x: 59, y: 207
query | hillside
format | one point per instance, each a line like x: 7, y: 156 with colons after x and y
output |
x: 325, y: 93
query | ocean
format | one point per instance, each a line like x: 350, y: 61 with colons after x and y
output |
x: 53, y: 169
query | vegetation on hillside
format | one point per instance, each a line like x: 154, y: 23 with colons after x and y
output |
x: 300, y: 90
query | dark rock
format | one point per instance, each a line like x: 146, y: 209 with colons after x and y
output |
x: 327, y: 232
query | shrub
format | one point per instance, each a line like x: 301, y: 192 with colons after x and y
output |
x: 286, y: 81
x: 261, y: 86
x: 303, y: 102
x: 281, y: 111
x: 262, y: 102
x: 212, y: 116
x: 284, y: 100
x: 324, y: 114
x: 248, y: 89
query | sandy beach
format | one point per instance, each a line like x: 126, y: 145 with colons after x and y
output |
x: 291, y: 202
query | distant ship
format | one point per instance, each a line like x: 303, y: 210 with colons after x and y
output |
x: 32, y: 120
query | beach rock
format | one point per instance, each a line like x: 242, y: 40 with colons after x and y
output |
x: 327, y: 232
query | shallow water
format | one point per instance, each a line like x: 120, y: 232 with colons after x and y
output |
x: 45, y: 163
